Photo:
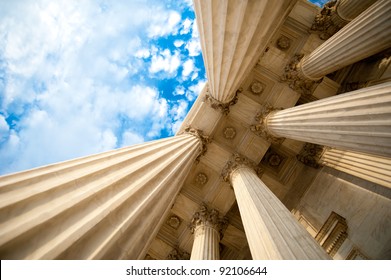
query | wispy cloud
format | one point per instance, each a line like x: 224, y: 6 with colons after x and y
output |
x: 165, y: 61
x: 82, y: 77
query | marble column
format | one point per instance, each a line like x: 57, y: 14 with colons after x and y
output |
x: 358, y: 121
x: 206, y: 226
x: 368, y: 34
x: 348, y: 10
x: 233, y: 34
x: 336, y: 14
x: 376, y: 169
x: 105, y: 206
x: 271, y: 230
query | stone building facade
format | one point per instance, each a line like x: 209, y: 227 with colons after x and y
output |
x: 286, y: 153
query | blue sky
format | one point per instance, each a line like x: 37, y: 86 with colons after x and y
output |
x: 83, y: 77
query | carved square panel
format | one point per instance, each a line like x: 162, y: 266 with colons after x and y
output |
x: 174, y: 221
x: 200, y: 181
x: 229, y: 133
x: 259, y: 84
x: 273, y: 160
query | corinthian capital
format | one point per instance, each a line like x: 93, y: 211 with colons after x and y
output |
x: 311, y: 154
x: 208, y: 217
x: 238, y: 161
x: 327, y: 22
x: 296, y: 78
x: 204, y: 139
x: 217, y: 105
x: 178, y: 254
x: 260, y: 127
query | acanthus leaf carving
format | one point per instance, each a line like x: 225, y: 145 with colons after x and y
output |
x: 311, y: 154
x: 260, y: 127
x: 178, y: 254
x: 237, y: 161
x: 208, y: 217
x: 327, y: 22
x: 217, y: 105
x: 204, y: 139
x: 296, y: 79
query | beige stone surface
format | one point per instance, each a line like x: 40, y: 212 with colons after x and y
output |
x: 271, y: 230
x: 368, y: 214
x: 231, y: 40
x: 98, y: 207
x: 359, y: 120
x: 349, y: 9
x: 138, y: 202
x: 375, y: 169
x: 368, y: 34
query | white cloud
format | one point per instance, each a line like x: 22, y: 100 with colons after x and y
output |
x: 165, y: 61
x: 164, y: 24
x: 186, y: 26
x: 178, y: 43
x: 131, y: 138
x: 143, y: 53
x: 195, y: 90
x: 188, y: 68
x: 194, y: 47
x: 178, y: 113
x: 69, y: 69
x: 107, y: 140
x: 4, y: 128
x: 179, y: 90
x: 194, y: 76
x: 195, y: 34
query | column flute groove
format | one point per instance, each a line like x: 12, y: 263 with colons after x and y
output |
x: 372, y: 168
x: 368, y: 34
x: 86, y: 208
x: 207, y: 227
x: 271, y: 230
x: 337, y: 13
x: 358, y: 121
x: 233, y: 34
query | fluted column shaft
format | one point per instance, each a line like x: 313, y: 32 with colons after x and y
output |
x: 206, y: 226
x: 372, y: 168
x: 349, y: 9
x: 206, y: 243
x: 358, y: 121
x: 232, y: 35
x: 105, y: 206
x: 272, y: 231
x: 368, y: 34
